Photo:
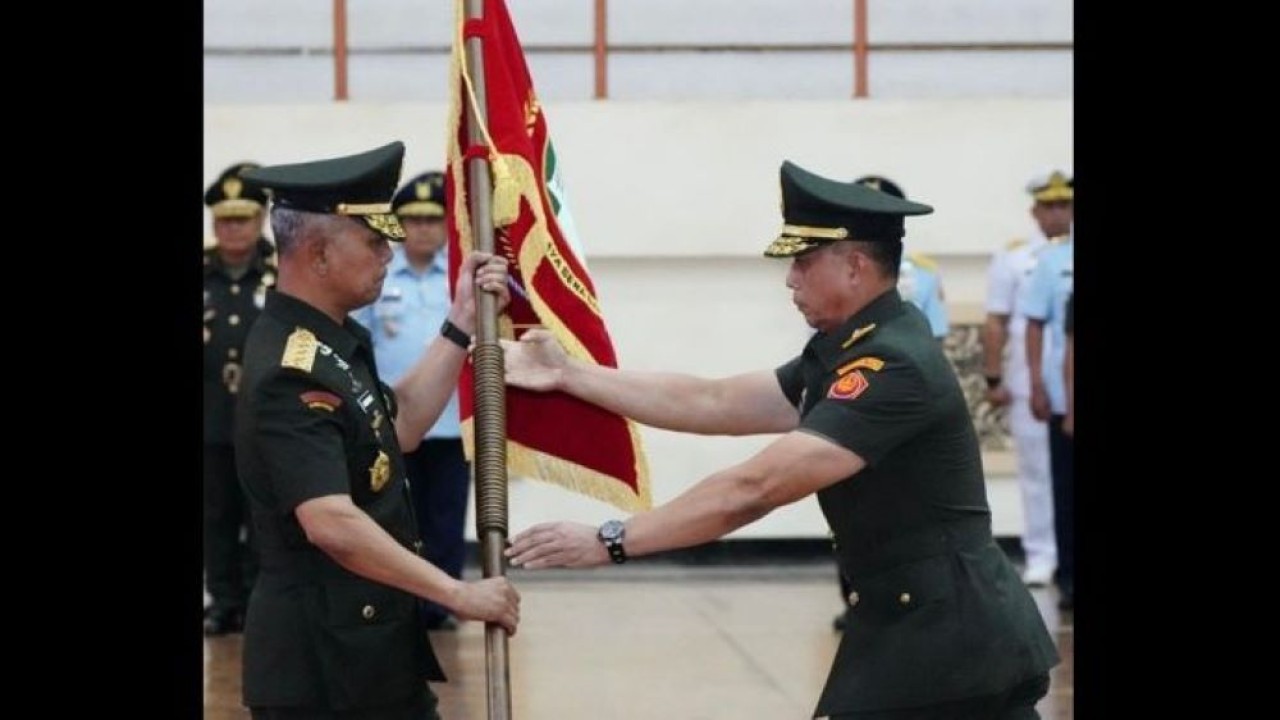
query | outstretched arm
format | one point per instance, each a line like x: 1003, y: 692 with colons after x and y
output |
x: 792, y: 467
x: 739, y: 405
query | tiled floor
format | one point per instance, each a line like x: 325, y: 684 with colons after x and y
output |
x: 685, y: 643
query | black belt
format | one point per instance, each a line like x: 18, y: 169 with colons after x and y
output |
x: 862, y: 560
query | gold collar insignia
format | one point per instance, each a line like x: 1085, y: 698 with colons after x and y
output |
x: 857, y: 335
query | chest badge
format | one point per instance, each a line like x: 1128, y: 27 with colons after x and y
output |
x: 380, y: 472
x: 848, y: 387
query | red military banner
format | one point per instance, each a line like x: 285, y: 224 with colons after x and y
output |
x: 550, y: 436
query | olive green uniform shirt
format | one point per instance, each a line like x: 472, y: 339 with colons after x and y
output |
x: 230, y: 307
x: 937, y: 611
x: 314, y: 420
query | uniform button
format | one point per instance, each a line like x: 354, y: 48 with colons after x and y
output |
x: 905, y: 598
x: 234, y: 319
x: 235, y: 289
x: 232, y: 353
x: 368, y: 612
x: 853, y: 598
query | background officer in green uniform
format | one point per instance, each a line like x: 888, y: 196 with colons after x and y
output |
x: 333, y: 628
x: 238, y: 270
x: 875, y: 423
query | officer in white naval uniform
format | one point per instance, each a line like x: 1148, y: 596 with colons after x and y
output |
x: 1005, y: 365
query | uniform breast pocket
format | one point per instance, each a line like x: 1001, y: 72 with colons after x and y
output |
x: 389, y: 311
x: 1066, y: 280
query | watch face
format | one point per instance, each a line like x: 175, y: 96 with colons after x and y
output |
x: 611, y: 530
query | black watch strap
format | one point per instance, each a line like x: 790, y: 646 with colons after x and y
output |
x: 611, y: 534
x: 616, y: 553
x: 455, y: 335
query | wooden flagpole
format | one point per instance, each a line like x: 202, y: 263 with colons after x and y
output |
x: 490, y: 411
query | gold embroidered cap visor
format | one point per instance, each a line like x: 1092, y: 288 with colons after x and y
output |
x: 1057, y: 187
x: 358, y: 186
x: 235, y: 208
x: 818, y: 210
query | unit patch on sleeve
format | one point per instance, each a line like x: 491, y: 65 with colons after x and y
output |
x: 848, y: 386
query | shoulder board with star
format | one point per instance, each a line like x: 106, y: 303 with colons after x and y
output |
x: 1015, y: 243
x: 923, y: 261
x: 300, y: 350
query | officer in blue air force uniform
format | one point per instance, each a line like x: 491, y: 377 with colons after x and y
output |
x: 873, y: 422
x: 239, y: 269
x: 333, y: 629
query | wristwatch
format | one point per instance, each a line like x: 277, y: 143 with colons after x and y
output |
x: 611, y: 534
x: 993, y: 381
x: 455, y: 335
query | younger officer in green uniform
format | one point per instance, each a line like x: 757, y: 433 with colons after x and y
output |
x: 875, y: 424
x: 333, y: 630
x: 238, y: 270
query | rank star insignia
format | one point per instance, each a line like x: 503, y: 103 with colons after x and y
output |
x: 380, y: 472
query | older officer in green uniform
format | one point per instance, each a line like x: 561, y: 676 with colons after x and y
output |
x: 333, y: 630
x: 875, y: 423
x: 238, y: 270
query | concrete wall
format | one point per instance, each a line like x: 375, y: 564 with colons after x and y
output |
x: 674, y: 203
x: 697, y: 182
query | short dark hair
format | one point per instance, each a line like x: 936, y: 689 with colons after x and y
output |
x: 886, y: 254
